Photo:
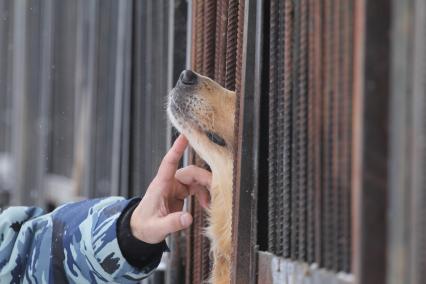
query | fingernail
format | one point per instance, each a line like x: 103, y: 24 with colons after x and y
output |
x: 185, y: 220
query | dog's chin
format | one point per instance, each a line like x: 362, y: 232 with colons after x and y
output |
x: 182, y: 124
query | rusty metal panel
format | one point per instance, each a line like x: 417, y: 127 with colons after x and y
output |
x: 217, y: 35
x: 310, y: 124
x: 209, y: 33
x: 203, y: 61
x: 313, y: 135
x: 220, y: 44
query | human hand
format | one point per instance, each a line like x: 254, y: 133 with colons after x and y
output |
x: 160, y: 211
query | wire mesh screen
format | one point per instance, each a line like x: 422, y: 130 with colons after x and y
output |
x: 216, y: 53
x: 310, y: 94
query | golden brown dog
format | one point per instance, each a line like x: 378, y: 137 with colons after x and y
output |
x: 204, y: 112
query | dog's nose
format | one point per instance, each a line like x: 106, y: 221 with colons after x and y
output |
x: 188, y: 77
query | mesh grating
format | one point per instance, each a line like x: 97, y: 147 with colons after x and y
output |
x: 209, y: 37
x: 221, y: 22
x: 284, y: 79
x: 312, y: 147
x: 273, y: 244
x: 231, y: 44
x: 202, y: 61
x: 216, y: 52
x: 310, y: 118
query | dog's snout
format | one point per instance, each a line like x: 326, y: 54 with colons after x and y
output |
x: 188, y: 77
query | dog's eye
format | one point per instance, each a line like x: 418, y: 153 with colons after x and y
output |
x: 215, y: 138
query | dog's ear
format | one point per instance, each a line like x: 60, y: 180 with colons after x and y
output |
x: 216, y: 138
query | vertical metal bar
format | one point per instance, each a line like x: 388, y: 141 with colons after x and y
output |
x: 398, y: 260
x: 359, y: 28
x: 121, y: 98
x: 6, y: 34
x: 336, y: 155
x: 220, y: 44
x: 47, y: 34
x: 294, y: 66
x: 189, y: 35
x: 302, y: 137
x: 104, y: 96
x: 118, y: 69
x: 246, y: 171
x: 6, y: 9
x: 139, y: 42
x: 318, y: 116
x: 346, y: 126
x: 124, y: 186
x: 200, y: 63
x: 418, y: 150
x: 177, y: 42
x: 231, y: 45
x: 198, y: 38
x: 85, y: 89
x: 371, y: 140
x: 170, y: 55
x: 285, y: 121
x: 209, y: 33
x: 189, y: 232
x: 327, y: 110
x: 30, y: 90
x: 18, y: 95
x: 272, y: 166
x: 312, y: 156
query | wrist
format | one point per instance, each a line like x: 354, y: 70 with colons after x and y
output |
x: 135, y: 225
x: 138, y: 253
x: 141, y: 229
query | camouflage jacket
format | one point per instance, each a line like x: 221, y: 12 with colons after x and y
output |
x: 76, y: 243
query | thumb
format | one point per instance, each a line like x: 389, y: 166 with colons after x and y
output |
x: 175, y: 222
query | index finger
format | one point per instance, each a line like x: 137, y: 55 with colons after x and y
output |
x: 170, y: 162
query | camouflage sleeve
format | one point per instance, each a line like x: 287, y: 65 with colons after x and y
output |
x: 76, y: 243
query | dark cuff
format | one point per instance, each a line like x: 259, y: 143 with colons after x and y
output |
x: 138, y: 253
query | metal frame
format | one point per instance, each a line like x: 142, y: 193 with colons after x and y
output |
x: 246, y: 170
x: 370, y: 134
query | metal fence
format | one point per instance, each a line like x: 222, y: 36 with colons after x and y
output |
x: 329, y: 188
x: 83, y: 93
x: 328, y: 184
x: 83, y: 87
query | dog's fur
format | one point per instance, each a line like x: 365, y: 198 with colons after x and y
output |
x: 204, y: 113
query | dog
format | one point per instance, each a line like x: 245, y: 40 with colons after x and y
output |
x: 204, y: 112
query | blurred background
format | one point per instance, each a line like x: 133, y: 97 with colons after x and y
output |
x: 83, y: 89
x: 329, y: 170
